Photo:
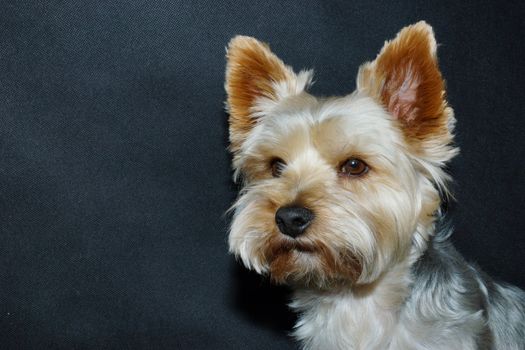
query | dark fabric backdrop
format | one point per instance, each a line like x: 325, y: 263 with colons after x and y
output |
x: 114, y: 177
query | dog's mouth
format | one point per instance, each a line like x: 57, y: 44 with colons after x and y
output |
x: 301, y: 259
x: 281, y: 246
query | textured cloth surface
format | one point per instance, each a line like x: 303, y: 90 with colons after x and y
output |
x: 114, y: 174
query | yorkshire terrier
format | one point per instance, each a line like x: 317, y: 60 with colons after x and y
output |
x: 341, y: 201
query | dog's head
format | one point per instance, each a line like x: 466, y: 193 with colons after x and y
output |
x: 337, y: 189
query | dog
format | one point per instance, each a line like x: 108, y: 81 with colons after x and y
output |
x: 341, y: 201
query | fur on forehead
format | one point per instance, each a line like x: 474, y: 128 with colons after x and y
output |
x: 354, y: 121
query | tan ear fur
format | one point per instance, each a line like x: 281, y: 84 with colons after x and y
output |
x: 251, y: 73
x: 405, y: 78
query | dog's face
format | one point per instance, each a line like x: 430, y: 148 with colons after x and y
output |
x: 336, y: 190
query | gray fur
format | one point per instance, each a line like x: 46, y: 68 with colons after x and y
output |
x: 454, y: 296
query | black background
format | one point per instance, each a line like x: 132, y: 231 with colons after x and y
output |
x: 114, y: 177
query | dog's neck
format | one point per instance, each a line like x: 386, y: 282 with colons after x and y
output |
x: 365, y: 316
x: 361, y: 317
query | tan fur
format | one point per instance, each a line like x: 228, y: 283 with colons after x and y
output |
x: 406, y: 79
x: 251, y: 71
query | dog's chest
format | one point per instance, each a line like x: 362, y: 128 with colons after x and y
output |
x: 347, y: 322
x: 344, y: 323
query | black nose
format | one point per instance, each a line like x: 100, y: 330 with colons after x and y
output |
x: 292, y: 221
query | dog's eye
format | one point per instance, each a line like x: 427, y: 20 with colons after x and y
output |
x: 277, y: 165
x: 353, y: 167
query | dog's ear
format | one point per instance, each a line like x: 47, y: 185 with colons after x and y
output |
x: 406, y: 80
x: 256, y: 80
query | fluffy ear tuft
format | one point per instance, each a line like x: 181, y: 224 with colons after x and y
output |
x: 255, y: 79
x: 406, y: 80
